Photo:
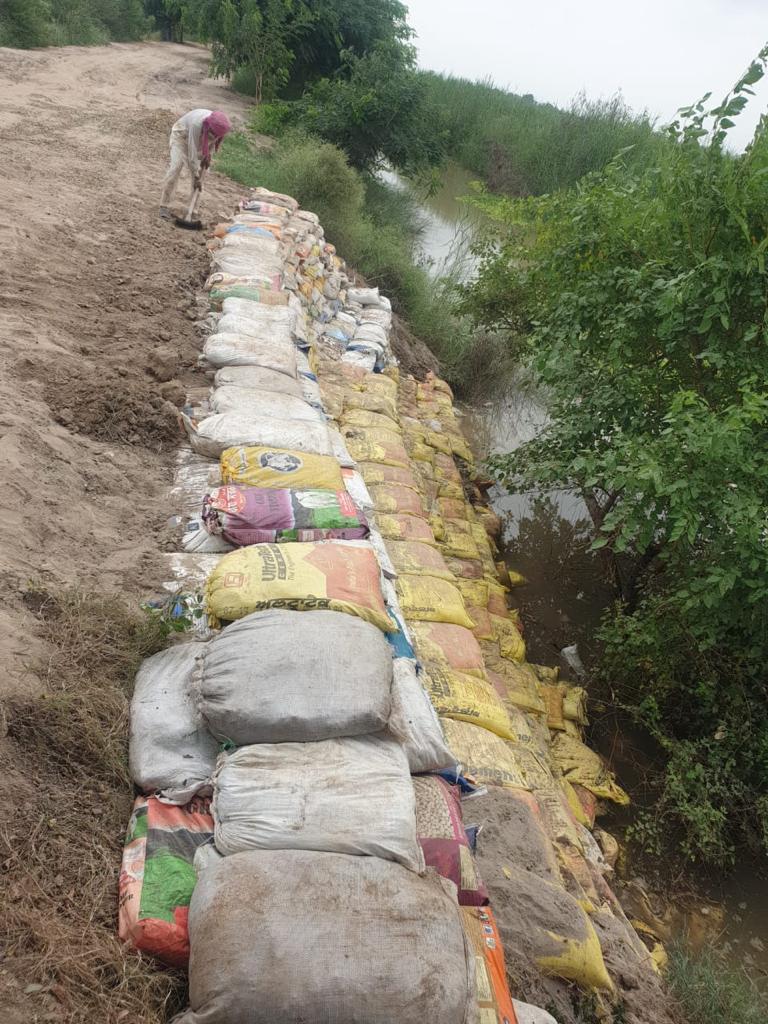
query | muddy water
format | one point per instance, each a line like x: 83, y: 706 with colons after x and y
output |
x: 546, y: 538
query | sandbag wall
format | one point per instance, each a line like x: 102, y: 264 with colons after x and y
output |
x: 356, y: 690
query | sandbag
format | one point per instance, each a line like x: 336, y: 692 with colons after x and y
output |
x: 257, y: 378
x: 415, y: 722
x: 484, y: 756
x: 458, y: 541
x: 171, y: 751
x: 429, y: 599
x: 241, y: 350
x: 305, y: 577
x: 364, y: 418
x: 444, y: 843
x: 418, y: 559
x: 347, y: 940
x: 157, y: 878
x: 253, y: 401
x: 378, y: 473
x: 257, y: 466
x: 352, y: 795
x: 376, y: 446
x: 467, y: 699
x: 494, y: 1003
x: 454, y: 646
x: 266, y: 285
x: 283, y: 676
x: 581, y: 765
x: 396, y: 498
x: 394, y: 527
x: 259, y: 515
x: 511, y: 643
x: 216, y: 433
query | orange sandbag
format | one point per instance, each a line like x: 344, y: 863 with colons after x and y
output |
x: 494, y: 1003
x: 446, y: 642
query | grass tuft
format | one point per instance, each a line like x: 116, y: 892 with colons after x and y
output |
x: 709, y: 989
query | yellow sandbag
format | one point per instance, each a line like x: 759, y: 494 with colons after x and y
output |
x: 368, y: 420
x: 394, y: 527
x: 438, y: 526
x: 373, y: 446
x: 450, y: 489
x: 280, y: 468
x: 484, y: 756
x: 428, y: 599
x: 584, y: 767
x: 445, y: 468
x: 418, y: 559
x: 474, y: 592
x: 481, y: 622
x: 519, y: 682
x: 452, y: 508
x: 420, y: 452
x: 379, y: 384
x: 460, y: 448
x: 378, y: 473
x: 511, y: 644
x: 467, y: 699
x: 332, y: 575
x: 371, y: 402
x: 453, y: 646
x: 578, y: 960
x: 397, y: 498
x: 441, y: 442
x: 458, y: 541
x: 497, y: 599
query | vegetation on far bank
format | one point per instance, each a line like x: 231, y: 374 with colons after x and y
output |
x: 638, y: 300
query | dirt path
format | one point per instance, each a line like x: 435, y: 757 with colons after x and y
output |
x: 96, y: 295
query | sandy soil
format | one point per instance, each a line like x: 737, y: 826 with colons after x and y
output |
x: 97, y: 292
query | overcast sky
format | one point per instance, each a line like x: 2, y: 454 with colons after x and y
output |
x: 661, y: 54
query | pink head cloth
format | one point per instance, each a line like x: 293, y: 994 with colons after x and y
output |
x: 215, y: 125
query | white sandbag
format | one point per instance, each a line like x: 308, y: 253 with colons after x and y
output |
x: 257, y: 317
x: 259, y: 378
x: 197, y: 538
x: 310, y: 392
x: 276, y: 198
x: 357, y: 489
x: 382, y: 554
x: 263, y: 403
x: 290, y: 936
x: 415, y: 722
x: 374, y: 315
x: 216, y: 433
x: 278, y: 676
x: 262, y: 244
x: 242, y: 263
x: 351, y: 795
x: 241, y: 350
x: 365, y: 360
x: 340, y: 450
x: 193, y: 475
x: 364, y: 296
x: 171, y: 753
x: 527, y: 1014
x: 254, y: 327
x: 367, y: 332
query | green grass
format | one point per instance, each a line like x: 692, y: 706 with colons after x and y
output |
x: 375, y: 229
x: 523, y: 147
x: 708, y: 989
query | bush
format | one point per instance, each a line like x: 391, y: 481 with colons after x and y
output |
x: 29, y: 23
x: 25, y: 23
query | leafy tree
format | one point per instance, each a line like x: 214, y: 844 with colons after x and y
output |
x: 25, y: 23
x: 641, y: 299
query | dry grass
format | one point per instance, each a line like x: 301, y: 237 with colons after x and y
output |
x: 65, y: 785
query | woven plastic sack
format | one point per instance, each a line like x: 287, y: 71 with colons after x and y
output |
x: 284, y: 676
x: 377, y: 473
x: 454, y: 646
x: 157, y: 878
x: 380, y: 403
x: 351, y: 795
x: 367, y: 420
x: 375, y: 446
x: 395, y: 527
x: 257, y: 378
x: 305, y: 577
x: 418, y: 559
x: 393, y: 498
x: 259, y: 515
x: 171, y: 751
x: 511, y: 643
x: 428, y: 599
x: 494, y: 1003
x: 216, y: 433
x: 241, y: 350
x: 356, y: 939
x: 517, y: 683
x: 258, y: 403
x: 481, y: 622
x: 268, y: 285
x: 474, y: 591
x: 484, y: 756
x: 415, y: 722
x: 458, y: 540
x: 583, y: 766
x: 257, y: 466
x: 467, y: 699
x: 260, y: 195
x: 444, y: 843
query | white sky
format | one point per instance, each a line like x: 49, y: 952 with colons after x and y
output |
x: 661, y: 54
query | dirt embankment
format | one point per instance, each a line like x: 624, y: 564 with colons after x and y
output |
x: 96, y: 340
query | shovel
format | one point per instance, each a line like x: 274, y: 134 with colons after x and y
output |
x: 189, y: 222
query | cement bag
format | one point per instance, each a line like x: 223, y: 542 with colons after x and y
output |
x: 304, y: 577
x: 263, y: 403
x: 223, y: 430
x: 368, y: 297
x: 247, y: 263
x: 242, y: 350
x: 415, y: 722
x: 376, y: 446
x: 381, y: 403
x: 494, y: 1003
x: 454, y: 646
x: 356, y: 488
x: 257, y: 378
x: 357, y: 939
x: 443, y: 841
x: 429, y: 599
x: 511, y: 644
x: 340, y: 451
x: 458, y: 540
x: 395, y: 527
x: 395, y: 498
x: 263, y: 515
x: 368, y: 420
x: 157, y: 876
x: 351, y: 795
x: 377, y: 473
x: 584, y: 767
x: 273, y: 323
x: 278, y: 467
x: 418, y: 559
x: 197, y: 538
x: 467, y: 699
x: 284, y: 676
x: 484, y: 756
x: 263, y: 195
x: 266, y: 286
x: 171, y: 751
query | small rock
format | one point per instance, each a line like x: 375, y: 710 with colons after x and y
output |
x: 29, y: 989
x: 174, y: 392
x: 164, y: 364
x: 757, y: 943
